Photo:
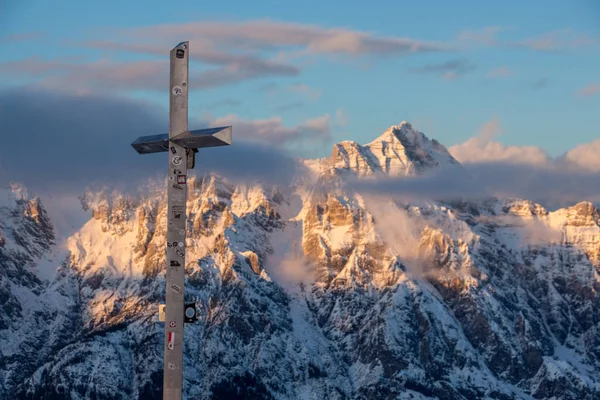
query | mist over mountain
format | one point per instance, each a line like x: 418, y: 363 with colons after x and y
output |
x: 387, y: 270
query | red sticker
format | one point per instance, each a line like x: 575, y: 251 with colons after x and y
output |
x: 171, y: 340
x: 181, y: 179
x: 172, y: 324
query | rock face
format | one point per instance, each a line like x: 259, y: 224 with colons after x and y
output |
x: 308, y: 294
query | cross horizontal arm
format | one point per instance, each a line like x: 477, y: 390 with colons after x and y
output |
x: 151, y: 144
x: 195, y: 139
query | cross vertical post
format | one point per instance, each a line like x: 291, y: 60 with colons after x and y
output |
x: 181, y: 146
x: 176, y: 221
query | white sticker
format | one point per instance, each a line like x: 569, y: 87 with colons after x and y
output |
x: 181, y: 232
x: 177, y: 90
x: 180, y: 244
x: 177, y: 160
x: 177, y: 196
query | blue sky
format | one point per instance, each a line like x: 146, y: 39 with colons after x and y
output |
x: 330, y: 70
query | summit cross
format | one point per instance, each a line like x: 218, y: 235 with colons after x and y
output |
x: 181, y: 146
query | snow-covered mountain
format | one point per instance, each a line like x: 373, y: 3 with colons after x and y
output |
x: 399, y: 151
x: 306, y: 293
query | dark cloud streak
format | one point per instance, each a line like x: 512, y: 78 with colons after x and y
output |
x: 448, y: 70
x: 553, y: 187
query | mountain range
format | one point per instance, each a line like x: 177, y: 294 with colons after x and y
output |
x: 313, y: 291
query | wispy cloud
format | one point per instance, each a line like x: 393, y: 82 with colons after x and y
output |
x: 448, y: 70
x: 486, y: 36
x: 540, y: 83
x: 21, y: 37
x: 268, y: 88
x: 225, y: 103
x: 591, y: 89
x: 249, y: 45
x: 271, y: 35
x: 289, y: 106
x: 341, y: 117
x: 557, y: 41
x: 249, y: 51
x: 308, y: 91
x: 101, y: 75
x: 500, y: 72
x: 272, y: 131
x: 233, y: 67
x: 104, y: 75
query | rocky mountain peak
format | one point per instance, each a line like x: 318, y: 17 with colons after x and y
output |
x: 393, y: 133
x: 399, y: 151
x: 583, y: 214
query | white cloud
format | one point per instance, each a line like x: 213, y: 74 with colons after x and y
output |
x: 483, y: 148
x: 585, y: 156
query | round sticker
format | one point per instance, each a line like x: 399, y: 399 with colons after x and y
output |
x: 177, y: 160
x: 190, y: 312
x: 180, y: 244
x: 181, y: 232
x: 177, y: 90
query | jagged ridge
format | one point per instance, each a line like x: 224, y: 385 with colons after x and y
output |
x: 495, y: 298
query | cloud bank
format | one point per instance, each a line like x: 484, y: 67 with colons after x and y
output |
x: 63, y: 142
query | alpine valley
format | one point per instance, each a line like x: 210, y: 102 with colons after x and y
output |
x: 312, y: 291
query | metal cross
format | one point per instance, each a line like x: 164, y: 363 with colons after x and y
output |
x: 181, y: 146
